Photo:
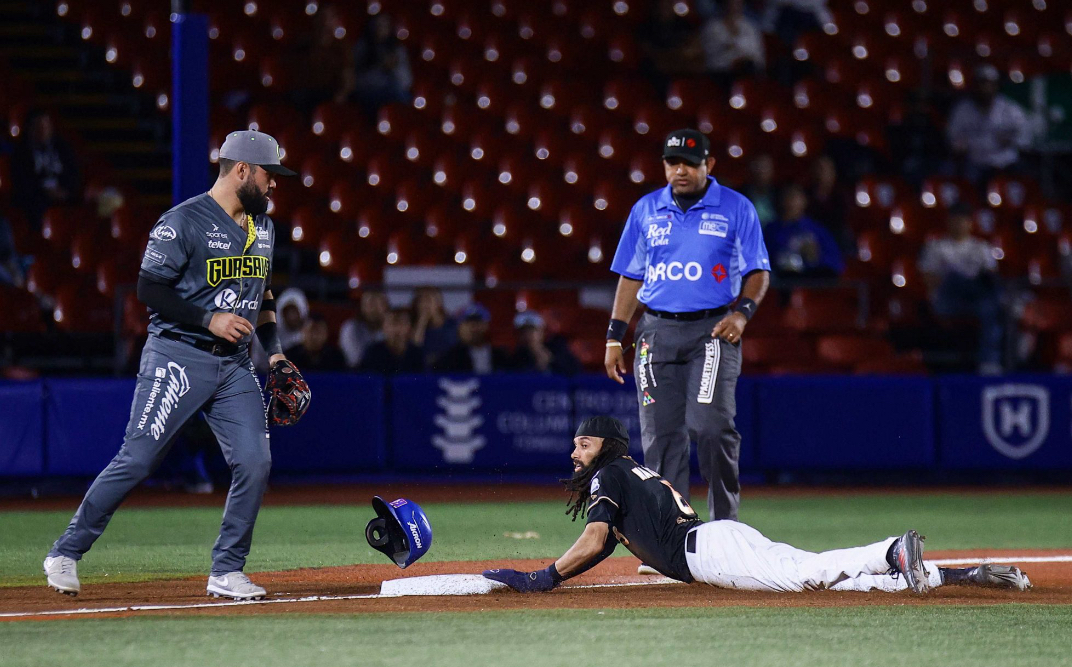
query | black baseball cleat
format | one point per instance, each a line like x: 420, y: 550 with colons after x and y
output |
x: 988, y: 575
x: 906, y: 558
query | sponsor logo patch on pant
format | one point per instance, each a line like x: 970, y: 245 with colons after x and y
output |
x: 712, y: 353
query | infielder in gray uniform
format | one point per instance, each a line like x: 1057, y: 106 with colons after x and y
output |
x: 204, y: 277
x: 693, y: 253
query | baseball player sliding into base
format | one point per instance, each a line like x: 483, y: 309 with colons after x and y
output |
x: 204, y: 277
x: 629, y: 504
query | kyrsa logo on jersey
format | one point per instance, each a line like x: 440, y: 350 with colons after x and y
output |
x: 228, y: 300
x: 235, y: 268
x: 262, y: 234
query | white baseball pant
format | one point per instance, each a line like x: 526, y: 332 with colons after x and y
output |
x: 730, y: 554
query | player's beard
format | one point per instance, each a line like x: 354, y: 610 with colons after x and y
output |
x: 252, y: 199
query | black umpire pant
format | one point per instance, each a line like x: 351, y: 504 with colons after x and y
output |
x: 687, y: 390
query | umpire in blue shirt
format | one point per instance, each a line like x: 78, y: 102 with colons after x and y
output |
x: 693, y: 253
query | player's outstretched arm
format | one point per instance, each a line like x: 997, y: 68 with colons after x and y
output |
x: 587, y: 551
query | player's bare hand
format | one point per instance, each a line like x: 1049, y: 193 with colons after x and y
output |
x: 614, y: 362
x: 230, y: 327
x: 730, y: 328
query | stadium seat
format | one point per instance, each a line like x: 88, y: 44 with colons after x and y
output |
x: 82, y: 309
x: 762, y: 351
x: 823, y: 311
x: 852, y: 350
x: 1048, y: 315
x: 22, y: 314
x: 901, y: 364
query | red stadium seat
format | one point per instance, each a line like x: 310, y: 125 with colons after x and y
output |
x: 823, y: 311
x: 901, y: 364
x: 22, y: 314
x: 1048, y: 315
x: 775, y: 350
x: 83, y: 310
x: 852, y: 350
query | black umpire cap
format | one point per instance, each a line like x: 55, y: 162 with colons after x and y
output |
x: 688, y: 144
x: 603, y: 427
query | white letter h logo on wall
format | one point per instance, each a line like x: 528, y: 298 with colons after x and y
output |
x: 1016, y: 418
x: 459, y: 441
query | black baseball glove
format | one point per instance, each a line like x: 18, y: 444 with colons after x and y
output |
x: 289, y: 394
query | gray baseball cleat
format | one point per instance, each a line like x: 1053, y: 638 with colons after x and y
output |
x: 62, y: 574
x: 1000, y: 576
x: 234, y: 585
x: 907, y: 555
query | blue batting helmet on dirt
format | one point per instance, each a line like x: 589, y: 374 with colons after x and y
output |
x: 400, y: 530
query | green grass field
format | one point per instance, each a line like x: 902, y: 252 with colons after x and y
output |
x: 166, y: 543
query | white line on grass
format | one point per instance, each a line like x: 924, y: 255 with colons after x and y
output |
x: 1002, y: 559
x: 372, y: 596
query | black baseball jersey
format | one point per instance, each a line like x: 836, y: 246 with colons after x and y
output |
x: 645, y: 513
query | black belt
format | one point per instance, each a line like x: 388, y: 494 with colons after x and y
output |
x: 219, y: 349
x: 693, y: 315
x: 690, y: 541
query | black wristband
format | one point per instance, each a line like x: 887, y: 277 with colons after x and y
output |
x: 555, y: 576
x: 268, y: 305
x: 746, y: 307
x: 268, y: 335
x: 616, y: 330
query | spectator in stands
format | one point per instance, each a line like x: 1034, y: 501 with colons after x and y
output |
x: 760, y: 188
x: 536, y: 353
x: 365, y: 328
x: 43, y: 169
x: 11, y: 267
x: 733, y: 45
x: 789, y: 18
x: 918, y: 148
x: 293, y: 309
x: 473, y: 353
x: 395, y: 354
x: 988, y: 130
x: 378, y: 71
x: 800, y: 247
x: 960, y: 272
x: 670, y: 45
x: 315, y: 352
x: 321, y: 60
x: 433, y: 331
x: 828, y: 203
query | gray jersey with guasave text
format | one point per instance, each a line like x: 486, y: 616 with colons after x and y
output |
x: 199, y: 250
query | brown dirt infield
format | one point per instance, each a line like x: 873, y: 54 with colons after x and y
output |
x: 1052, y: 585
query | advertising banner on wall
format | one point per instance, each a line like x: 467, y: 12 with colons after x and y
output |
x: 496, y: 422
x: 1015, y: 422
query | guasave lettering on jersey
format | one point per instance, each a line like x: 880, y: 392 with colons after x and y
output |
x: 235, y: 268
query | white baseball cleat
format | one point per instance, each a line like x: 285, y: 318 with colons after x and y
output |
x: 62, y: 573
x: 648, y: 570
x: 234, y: 585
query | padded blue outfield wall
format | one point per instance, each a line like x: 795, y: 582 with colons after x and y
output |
x: 504, y: 424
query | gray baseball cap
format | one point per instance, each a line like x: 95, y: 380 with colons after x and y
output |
x: 254, y: 147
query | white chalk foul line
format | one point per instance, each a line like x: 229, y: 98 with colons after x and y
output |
x: 1002, y: 559
x: 329, y: 598
x: 197, y: 605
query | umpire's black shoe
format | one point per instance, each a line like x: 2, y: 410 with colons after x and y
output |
x: 906, y: 557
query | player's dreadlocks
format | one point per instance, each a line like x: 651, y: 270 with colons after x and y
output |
x: 579, y: 482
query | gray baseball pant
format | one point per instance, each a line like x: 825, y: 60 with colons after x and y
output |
x: 687, y: 390
x: 175, y: 380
